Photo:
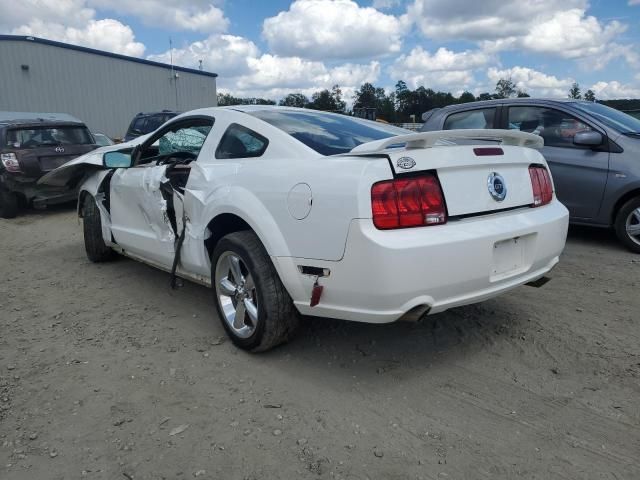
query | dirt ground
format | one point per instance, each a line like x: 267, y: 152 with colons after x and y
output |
x: 106, y: 373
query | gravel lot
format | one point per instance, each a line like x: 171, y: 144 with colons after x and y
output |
x: 106, y: 373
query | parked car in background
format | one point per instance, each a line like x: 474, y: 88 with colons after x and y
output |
x: 593, y: 152
x: 102, y: 140
x: 291, y: 211
x: 144, y: 123
x: 32, y: 145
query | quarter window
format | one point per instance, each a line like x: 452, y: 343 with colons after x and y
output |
x: 241, y: 142
x: 481, y: 118
x: 556, y: 127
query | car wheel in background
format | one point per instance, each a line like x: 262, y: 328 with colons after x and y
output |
x: 8, y: 204
x: 94, y: 244
x: 254, y: 307
x: 628, y: 224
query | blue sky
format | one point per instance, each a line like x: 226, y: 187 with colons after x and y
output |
x: 270, y: 48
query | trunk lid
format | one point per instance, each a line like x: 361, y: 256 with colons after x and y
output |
x: 467, y: 179
x: 488, y: 172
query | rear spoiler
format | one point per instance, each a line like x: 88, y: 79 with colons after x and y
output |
x: 429, y: 139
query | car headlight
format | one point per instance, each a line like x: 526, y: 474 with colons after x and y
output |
x: 10, y: 162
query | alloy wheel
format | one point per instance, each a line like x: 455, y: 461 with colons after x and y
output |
x: 236, y: 294
x: 633, y: 225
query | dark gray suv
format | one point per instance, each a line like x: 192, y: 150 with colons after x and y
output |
x: 593, y: 152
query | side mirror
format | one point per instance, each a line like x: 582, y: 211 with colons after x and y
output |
x: 136, y: 131
x: 116, y: 160
x: 588, y: 139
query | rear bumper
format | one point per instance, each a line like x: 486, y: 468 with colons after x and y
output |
x: 386, y: 274
x: 38, y: 193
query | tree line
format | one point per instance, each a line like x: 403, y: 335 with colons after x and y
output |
x: 403, y: 104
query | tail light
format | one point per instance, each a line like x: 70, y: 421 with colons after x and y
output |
x: 10, y: 162
x: 541, y: 185
x: 410, y: 202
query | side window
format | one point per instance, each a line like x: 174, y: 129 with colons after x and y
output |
x: 186, y: 139
x: 241, y: 142
x: 183, y: 139
x: 556, y: 127
x: 481, y: 118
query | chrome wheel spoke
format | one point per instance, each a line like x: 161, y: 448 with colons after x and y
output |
x: 227, y: 287
x: 238, y: 319
x: 636, y: 214
x: 251, y: 309
x: 236, y: 294
x: 633, y: 230
x: 236, y: 271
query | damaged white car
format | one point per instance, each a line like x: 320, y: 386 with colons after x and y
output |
x: 290, y: 211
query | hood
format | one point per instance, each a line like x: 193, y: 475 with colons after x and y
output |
x: 91, y: 161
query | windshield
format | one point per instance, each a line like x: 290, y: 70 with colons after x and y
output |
x: 327, y: 133
x: 611, y: 117
x: 43, y: 136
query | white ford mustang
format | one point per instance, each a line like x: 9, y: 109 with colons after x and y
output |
x: 289, y: 211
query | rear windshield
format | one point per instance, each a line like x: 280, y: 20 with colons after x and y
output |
x: 43, y: 136
x: 327, y: 133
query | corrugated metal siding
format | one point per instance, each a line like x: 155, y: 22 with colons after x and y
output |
x: 104, y: 92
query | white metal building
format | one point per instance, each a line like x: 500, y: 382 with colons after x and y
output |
x: 105, y: 90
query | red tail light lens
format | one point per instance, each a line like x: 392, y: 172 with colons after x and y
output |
x: 541, y: 184
x: 410, y: 202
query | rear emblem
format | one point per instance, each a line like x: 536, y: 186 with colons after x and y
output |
x: 497, y: 186
x: 406, y: 163
x: 60, y: 149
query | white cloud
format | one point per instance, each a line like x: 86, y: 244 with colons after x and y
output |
x: 532, y: 81
x: 271, y: 71
x: 571, y: 35
x: 67, y: 12
x: 494, y: 19
x: 443, y: 69
x: 614, y: 89
x: 329, y: 29
x: 195, y: 15
x: 634, y: 2
x: 543, y: 26
x: 244, y: 71
x: 69, y: 21
x: 227, y: 55
x: 106, y: 34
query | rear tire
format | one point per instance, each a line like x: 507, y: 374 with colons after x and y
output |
x: 97, y: 250
x: 259, y: 287
x: 8, y: 204
x: 627, y: 224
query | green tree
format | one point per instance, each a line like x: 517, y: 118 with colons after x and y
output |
x: 294, y: 100
x: 328, y: 100
x: 590, y: 96
x: 226, y: 99
x: 505, y: 88
x: 522, y: 94
x: 403, y: 99
x: 574, y: 91
x: 466, y: 97
x: 485, y: 96
x: 257, y: 101
x: 366, y: 96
